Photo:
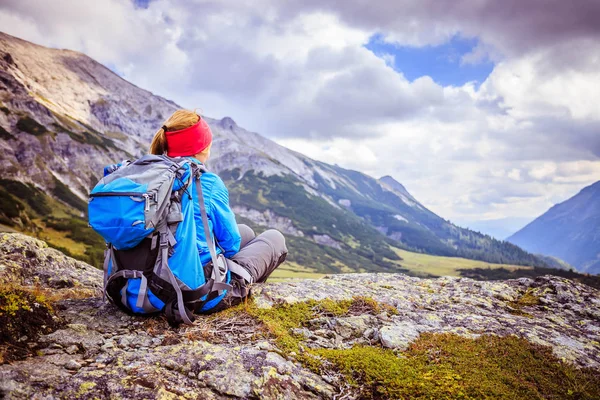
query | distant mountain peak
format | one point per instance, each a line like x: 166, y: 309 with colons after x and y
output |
x: 569, y: 230
x: 389, y: 180
x: 227, y: 123
x: 391, y: 184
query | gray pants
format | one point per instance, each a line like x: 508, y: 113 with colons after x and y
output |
x: 261, y: 254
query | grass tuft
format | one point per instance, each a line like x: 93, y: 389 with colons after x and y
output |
x: 24, y: 314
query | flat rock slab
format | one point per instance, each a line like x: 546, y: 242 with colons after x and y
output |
x: 567, y: 317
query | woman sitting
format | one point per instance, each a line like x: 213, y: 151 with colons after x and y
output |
x: 259, y: 255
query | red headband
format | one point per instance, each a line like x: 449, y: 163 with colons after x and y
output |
x: 189, y: 141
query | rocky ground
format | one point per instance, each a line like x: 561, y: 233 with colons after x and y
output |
x: 92, y: 350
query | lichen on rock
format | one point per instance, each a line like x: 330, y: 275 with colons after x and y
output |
x: 351, y: 336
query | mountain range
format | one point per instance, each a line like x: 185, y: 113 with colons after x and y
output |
x: 569, y: 231
x: 63, y: 116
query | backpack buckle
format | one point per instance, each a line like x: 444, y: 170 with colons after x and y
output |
x: 129, y: 274
x: 164, y: 241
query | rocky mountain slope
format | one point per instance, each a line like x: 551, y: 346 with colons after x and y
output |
x: 63, y: 116
x: 345, y: 336
x: 569, y: 231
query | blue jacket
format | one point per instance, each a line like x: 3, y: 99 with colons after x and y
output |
x: 221, y: 219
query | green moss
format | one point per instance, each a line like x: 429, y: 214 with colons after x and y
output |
x: 284, y: 317
x: 528, y: 299
x: 11, y: 304
x: 31, y: 126
x: 85, y: 387
x: 443, y: 366
x: 24, y: 312
x: 281, y: 319
x: 436, y: 366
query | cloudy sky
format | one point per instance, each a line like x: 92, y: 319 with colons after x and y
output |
x: 485, y: 110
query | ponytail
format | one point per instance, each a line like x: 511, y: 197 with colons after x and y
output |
x: 159, y: 142
x: 180, y: 119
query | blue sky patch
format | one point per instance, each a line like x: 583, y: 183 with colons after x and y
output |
x: 442, y: 63
x: 142, y: 3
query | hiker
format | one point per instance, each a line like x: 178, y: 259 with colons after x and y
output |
x: 186, y: 134
x: 173, y: 244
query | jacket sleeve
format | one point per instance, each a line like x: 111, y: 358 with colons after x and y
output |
x: 225, y: 227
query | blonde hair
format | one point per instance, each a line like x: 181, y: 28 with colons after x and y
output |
x: 180, y: 119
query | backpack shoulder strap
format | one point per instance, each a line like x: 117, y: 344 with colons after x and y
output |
x: 229, y: 266
x: 219, y: 265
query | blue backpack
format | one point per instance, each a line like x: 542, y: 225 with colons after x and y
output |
x: 144, y: 212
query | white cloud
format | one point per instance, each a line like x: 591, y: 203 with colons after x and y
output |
x: 527, y: 91
x: 543, y: 171
x: 514, y: 174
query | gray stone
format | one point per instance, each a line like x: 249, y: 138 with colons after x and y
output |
x: 72, y: 349
x: 72, y: 365
x: 398, y: 336
x: 352, y: 327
